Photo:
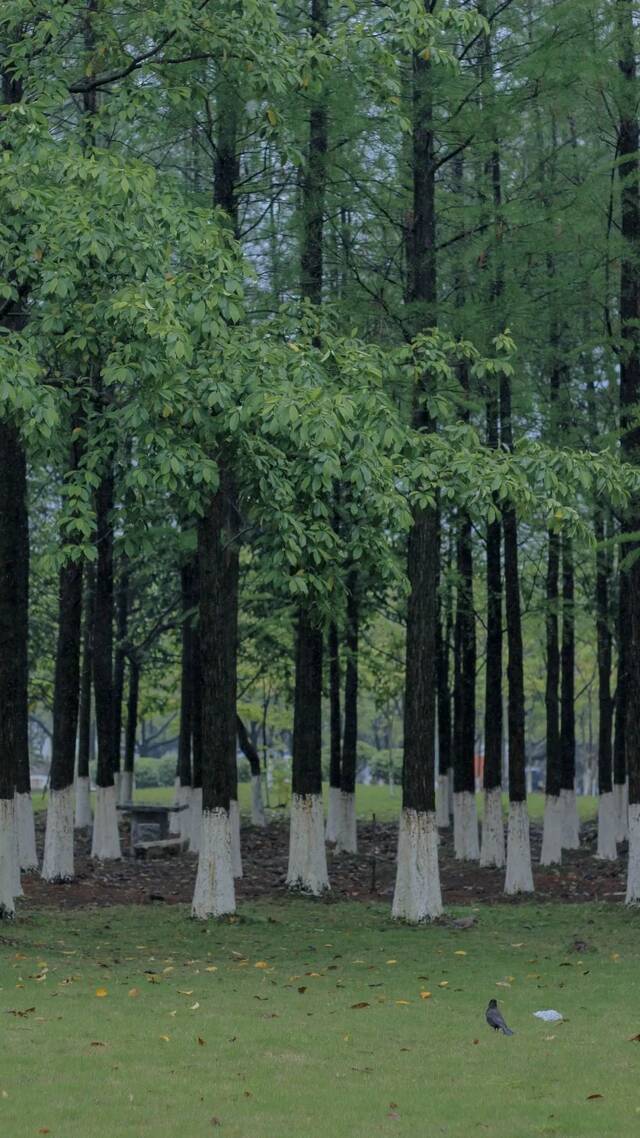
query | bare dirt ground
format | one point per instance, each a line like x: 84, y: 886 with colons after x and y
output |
x: 367, y: 876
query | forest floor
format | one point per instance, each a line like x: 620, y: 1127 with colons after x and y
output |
x: 367, y: 876
x: 303, y: 1020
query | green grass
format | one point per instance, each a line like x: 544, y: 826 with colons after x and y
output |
x: 369, y: 800
x: 277, y: 1061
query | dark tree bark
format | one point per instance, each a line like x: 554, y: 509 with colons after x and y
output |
x: 629, y: 172
x: 13, y: 615
x: 120, y: 657
x: 515, y: 668
x: 218, y: 575
x: 464, y: 700
x: 84, y: 720
x: 307, y: 716
x: 307, y: 709
x: 247, y: 747
x: 604, y: 642
x: 186, y: 675
x: 103, y: 631
x: 620, y: 738
x: 66, y: 690
x: 567, y: 668
x: 552, y: 684
x: 21, y: 659
x: 493, y: 678
x: 350, y: 740
x: 334, y: 708
x: 443, y: 638
x: 132, y: 715
x: 196, y: 712
x: 418, y: 778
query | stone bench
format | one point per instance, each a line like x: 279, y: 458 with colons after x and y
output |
x: 159, y: 848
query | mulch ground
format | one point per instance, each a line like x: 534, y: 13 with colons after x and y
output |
x: 367, y: 876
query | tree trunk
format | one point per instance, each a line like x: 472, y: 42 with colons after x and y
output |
x: 552, y: 836
x: 335, y: 731
x: 258, y: 817
x: 106, y: 840
x: 607, y: 849
x: 307, y: 869
x: 570, y: 822
x: 218, y: 572
x: 347, y: 833
x: 465, y: 817
x: 119, y: 663
x: 620, y: 790
x: 219, y: 831
x: 445, y: 750
x: 417, y: 888
x: 195, y: 809
x: 13, y: 491
x: 628, y: 172
x: 83, y: 802
x: 27, y: 855
x: 127, y: 777
x: 58, y: 846
x: 180, y: 823
x: 519, y: 878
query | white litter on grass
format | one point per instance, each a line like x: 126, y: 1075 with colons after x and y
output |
x: 549, y: 1016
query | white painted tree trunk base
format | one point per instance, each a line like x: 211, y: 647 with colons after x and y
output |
x: 348, y: 831
x: 105, y: 841
x: 621, y: 806
x: 607, y: 849
x: 442, y: 802
x: 175, y: 823
x: 195, y: 819
x: 334, y: 806
x: 185, y: 815
x: 214, y: 894
x: 570, y: 820
x: 258, y: 816
x: 83, y: 804
x: 125, y: 787
x: 633, y: 870
x: 465, y: 826
x: 519, y: 877
x: 57, y: 863
x: 307, y: 870
x: 8, y: 859
x: 417, y: 896
x: 551, y: 853
x: 492, y: 849
x: 27, y: 853
x: 236, y: 847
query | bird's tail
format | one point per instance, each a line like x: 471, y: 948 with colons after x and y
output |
x: 507, y: 1030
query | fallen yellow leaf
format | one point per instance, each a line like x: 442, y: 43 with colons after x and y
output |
x: 133, y: 992
x: 185, y: 991
x: 101, y: 992
x: 211, y: 968
x: 261, y: 964
x: 403, y: 1001
x: 425, y: 995
x: 443, y: 984
x: 460, y: 952
x: 392, y: 961
x: 195, y: 1006
x: 165, y: 1038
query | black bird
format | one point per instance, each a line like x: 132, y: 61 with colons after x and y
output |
x: 495, y: 1020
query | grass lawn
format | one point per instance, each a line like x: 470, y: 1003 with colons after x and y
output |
x: 305, y: 1020
x: 369, y: 800
x: 378, y: 800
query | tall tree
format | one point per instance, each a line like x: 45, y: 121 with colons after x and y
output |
x: 307, y: 868
x: 417, y: 889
